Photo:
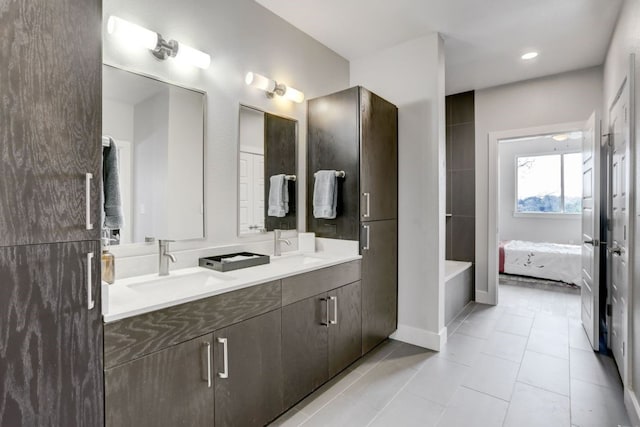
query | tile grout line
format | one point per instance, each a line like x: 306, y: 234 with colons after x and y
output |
x: 394, y: 397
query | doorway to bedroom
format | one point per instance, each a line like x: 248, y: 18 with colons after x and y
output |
x: 544, y: 213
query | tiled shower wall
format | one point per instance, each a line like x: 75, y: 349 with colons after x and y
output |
x: 461, y: 201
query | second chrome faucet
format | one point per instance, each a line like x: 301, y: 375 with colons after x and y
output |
x: 164, y: 257
x: 277, y: 240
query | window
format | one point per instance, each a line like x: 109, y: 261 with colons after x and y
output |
x: 549, y: 184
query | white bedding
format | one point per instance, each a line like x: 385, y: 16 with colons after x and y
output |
x: 544, y: 260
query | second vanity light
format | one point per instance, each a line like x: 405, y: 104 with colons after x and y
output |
x: 273, y: 87
x: 160, y: 48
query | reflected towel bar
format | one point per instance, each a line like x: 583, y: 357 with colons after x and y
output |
x: 290, y: 177
x: 339, y: 174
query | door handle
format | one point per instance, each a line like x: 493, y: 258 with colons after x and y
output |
x: 90, y: 301
x: 594, y: 242
x: 87, y: 184
x: 367, y: 197
x: 327, y: 322
x: 225, y: 358
x: 207, y: 347
x: 367, y: 229
x: 616, y: 250
x: 334, y: 321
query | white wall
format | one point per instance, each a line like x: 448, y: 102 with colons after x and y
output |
x: 251, y: 131
x: 562, y: 98
x: 411, y: 75
x: 550, y: 228
x: 625, y: 41
x: 241, y: 36
x: 118, y: 119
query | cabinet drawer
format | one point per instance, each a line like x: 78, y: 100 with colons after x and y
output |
x: 306, y: 285
x: 131, y: 338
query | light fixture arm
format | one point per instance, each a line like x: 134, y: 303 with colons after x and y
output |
x: 165, y: 49
x: 279, y: 90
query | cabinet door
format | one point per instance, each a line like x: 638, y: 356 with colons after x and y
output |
x: 379, y: 282
x: 51, y: 120
x: 333, y: 144
x: 248, y: 380
x: 304, y: 347
x: 378, y: 158
x: 50, y: 341
x: 173, y: 387
x: 345, y: 328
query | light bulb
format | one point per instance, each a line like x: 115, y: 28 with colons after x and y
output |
x: 529, y: 55
x: 188, y: 55
x: 260, y: 82
x: 294, y: 95
x: 132, y: 33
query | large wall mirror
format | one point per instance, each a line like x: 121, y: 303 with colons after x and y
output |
x: 267, y: 171
x: 153, y: 154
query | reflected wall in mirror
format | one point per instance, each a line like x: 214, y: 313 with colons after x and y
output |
x: 267, y: 171
x: 158, y: 131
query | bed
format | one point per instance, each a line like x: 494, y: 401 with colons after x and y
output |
x: 551, y: 261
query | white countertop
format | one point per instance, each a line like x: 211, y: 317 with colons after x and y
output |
x: 137, y: 295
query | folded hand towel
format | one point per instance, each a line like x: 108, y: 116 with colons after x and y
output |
x: 278, y: 196
x: 325, y: 194
x: 112, y: 200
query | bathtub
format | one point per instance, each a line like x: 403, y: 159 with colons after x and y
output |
x: 458, y: 284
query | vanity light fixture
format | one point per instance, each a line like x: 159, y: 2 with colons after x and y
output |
x: 273, y: 87
x: 160, y: 48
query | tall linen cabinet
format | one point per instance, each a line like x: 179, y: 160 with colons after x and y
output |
x: 356, y: 131
x: 51, y: 333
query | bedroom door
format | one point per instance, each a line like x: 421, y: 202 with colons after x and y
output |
x: 589, y: 288
x: 619, y: 211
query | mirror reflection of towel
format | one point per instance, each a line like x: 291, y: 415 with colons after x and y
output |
x: 112, y: 199
x: 325, y: 194
x: 278, y: 196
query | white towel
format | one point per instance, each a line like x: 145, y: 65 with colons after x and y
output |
x: 278, y: 196
x: 325, y: 194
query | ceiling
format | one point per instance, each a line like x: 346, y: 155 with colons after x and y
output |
x: 484, y: 39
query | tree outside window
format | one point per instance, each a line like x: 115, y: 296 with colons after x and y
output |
x: 549, y: 183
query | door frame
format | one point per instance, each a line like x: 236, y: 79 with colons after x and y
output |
x: 490, y: 296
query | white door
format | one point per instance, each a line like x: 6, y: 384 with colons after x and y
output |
x: 590, y: 229
x: 251, y: 197
x: 245, y: 194
x: 619, y: 211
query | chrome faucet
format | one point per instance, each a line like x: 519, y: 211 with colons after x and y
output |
x: 165, y: 256
x: 277, y: 239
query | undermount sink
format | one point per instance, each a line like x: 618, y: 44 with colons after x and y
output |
x: 181, y: 283
x: 295, y: 260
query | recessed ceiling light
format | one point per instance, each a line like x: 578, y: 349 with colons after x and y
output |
x: 529, y: 55
x: 560, y: 137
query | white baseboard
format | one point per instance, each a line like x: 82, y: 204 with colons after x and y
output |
x: 421, y: 337
x: 633, y: 408
x: 483, y: 297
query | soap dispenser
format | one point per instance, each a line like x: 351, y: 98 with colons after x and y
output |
x: 108, y: 262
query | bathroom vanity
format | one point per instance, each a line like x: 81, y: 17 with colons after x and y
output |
x: 236, y: 348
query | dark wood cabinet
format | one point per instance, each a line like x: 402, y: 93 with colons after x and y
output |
x: 345, y: 328
x: 379, y: 282
x: 305, y: 340
x: 248, y: 374
x: 51, y: 120
x: 172, y: 387
x: 378, y: 158
x: 51, y: 341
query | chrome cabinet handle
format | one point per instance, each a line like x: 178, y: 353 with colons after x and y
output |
x: 90, y: 301
x: 87, y: 184
x: 335, y: 311
x: 326, y: 322
x: 367, y: 196
x: 225, y: 358
x: 367, y: 228
x: 207, y: 346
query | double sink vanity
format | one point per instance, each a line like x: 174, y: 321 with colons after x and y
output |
x: 202, y: 347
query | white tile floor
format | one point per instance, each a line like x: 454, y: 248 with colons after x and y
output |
x: 526, y: 362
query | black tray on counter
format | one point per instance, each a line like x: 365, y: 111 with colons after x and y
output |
x: 222, y: 262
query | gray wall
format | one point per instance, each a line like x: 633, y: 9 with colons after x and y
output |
x: 562, y: 98
x: 240, y: 36
x: 461, y: 226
